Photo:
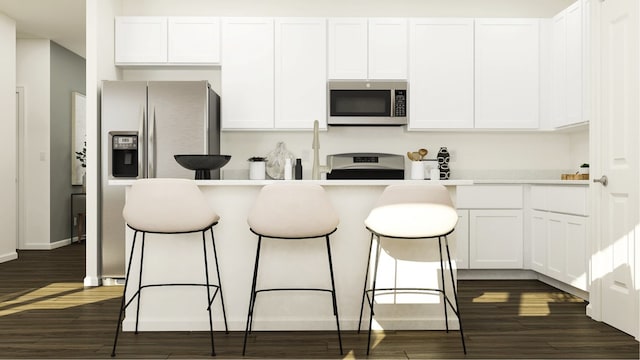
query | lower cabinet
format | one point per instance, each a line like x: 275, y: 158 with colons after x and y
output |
x: 461, y: 238
x: 495, y: 239
x: 559, y: 224
x: 558, y: 247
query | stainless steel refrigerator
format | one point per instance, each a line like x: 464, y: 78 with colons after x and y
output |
x: 143, y: 125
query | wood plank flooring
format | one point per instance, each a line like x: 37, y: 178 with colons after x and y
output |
x: 46, y: 313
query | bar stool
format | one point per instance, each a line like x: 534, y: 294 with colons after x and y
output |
x: 423, y: 212
x: 172, y: 207
x: 291, y: 211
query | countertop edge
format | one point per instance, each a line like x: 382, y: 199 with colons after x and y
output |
x: 373, y: 182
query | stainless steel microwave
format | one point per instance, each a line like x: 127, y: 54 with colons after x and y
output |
x: 367, y: 102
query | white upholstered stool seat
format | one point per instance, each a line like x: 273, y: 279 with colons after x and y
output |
x: 405, y: 211
x: 169, y: 206
x: 292, y: 210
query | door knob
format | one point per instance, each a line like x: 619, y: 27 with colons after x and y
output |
x: 603, y: 180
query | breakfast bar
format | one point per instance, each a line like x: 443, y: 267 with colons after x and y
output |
x: 302, y: 262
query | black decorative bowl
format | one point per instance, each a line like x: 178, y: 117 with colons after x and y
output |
x: 202, y: 164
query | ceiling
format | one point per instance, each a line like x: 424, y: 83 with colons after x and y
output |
x: 62, y: 21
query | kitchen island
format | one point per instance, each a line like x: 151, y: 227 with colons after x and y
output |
x: 289, y: 263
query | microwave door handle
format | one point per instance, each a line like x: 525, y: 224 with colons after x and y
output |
x: 392, y: 111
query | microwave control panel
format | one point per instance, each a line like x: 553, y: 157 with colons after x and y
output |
x: 400, y: 107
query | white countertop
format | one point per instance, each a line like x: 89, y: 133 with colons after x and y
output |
x: 454, y: 182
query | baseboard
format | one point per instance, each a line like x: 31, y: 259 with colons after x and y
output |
x: 8, y: 257
x: 47, y: 246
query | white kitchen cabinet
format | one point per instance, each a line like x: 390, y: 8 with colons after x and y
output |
x: 495, y: 225
x: 507, y: 73
x: 559, y: 234
x: 538, y: 241
x: 495, y: 239
x: 160, y: 40
x: 568, y: 66
x: 361, y: 48
x: 247, y: 76
x: 461, y: 238
x: 387, y: 48
x: 441, y: 73
x: 300, y: 73
x: 193, y: 40
x: 347, y: 50
x: 140, y: 39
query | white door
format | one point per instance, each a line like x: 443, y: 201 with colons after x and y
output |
x: 616, y: 154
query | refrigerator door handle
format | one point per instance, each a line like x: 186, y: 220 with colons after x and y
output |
x: 141, y: 144
x: 152, y: 146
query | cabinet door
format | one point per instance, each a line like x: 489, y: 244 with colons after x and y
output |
x: 300, y: 73
x: 495, y: 239
x: 574, y: 57
x: 194, y: 40
x: 140, y: 39
x: 461, y: 238
x: 507, y: 73
x: 387, y: 48
x: 348, y: 48
x: 559, y: 70
x: 539, y: 241
x: 247, y: 82
x: 576, y: 260
x: 556, y: 246
x: 441, y: 73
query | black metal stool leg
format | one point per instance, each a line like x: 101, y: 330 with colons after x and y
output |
x: 215, y: 255
x: 444, y: 288
x: 140, y: 282
x: 373, y: 291
x: 252, y: 297
x: 206, y: 274
x: 124, y: 295
x: 455, y: 294
x: 366, y: 278
x: 333, y: 294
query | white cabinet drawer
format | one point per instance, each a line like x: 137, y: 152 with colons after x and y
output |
x: 561, y: 199
x: 489, y: 197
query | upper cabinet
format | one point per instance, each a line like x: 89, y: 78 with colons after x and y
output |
x: 507, y: 75
x: 441, y: 77
x: 158, y: 40
x: 141, y: 39
x: 300, y: 73
x: 388, y: 49
x: 361, y: 48
x: 568, y: 62
x: 194, y: 40
x: 247, y: 77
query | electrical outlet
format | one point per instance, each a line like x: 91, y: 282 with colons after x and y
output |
x: 75, y: 221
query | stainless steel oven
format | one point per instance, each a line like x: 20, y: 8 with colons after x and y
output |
x: 367, y: 102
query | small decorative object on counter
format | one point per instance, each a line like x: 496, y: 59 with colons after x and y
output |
x: 584, y: 169
x: 443, y: 163
x: 257, y: 168
x: 288, y: 170
x: 298, y: 169
x: 276, y: 161
x: 417, y: 170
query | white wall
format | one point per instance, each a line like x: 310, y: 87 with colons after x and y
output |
x: 33, y: 73
x: 8, y: 174
x: 437, y: 8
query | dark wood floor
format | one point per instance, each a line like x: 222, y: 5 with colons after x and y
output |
x: 46, y: 313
